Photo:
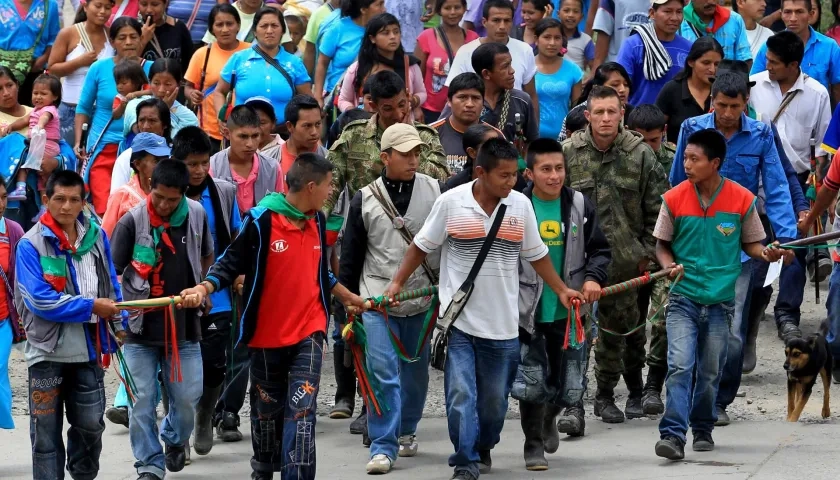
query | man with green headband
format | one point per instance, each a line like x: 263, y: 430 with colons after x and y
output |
x: 162, y: 246
x: 282, y: 251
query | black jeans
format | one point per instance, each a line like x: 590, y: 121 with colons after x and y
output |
x: 284, y: 392
x: 78, y: 390
x: 236, y: 378
x: 215, y: 342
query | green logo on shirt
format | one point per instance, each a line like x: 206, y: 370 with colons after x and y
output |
x: 726, y: 228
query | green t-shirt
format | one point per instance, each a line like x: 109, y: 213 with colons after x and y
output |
x: 550, y: 224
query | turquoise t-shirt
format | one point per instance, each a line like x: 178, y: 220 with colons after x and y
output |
x: 341, y: 42
x: 550, y: 224
x: 555, y: 92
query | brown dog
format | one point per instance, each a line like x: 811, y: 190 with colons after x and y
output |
x: 805, y: 359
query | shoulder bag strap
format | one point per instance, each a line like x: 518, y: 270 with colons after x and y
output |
x: 44, y: 23
x: 485, y: 248
x: 406, y: 234
x: 503, y: 115
x: 274, y: 63
x: 194, y: 14
x: 84, y: 39
x: 440, y: 34
x: 789, y: 96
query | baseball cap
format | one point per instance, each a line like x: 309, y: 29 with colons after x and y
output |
x: 402, y: 137
x: 151, y: 144
x: 658, y: 2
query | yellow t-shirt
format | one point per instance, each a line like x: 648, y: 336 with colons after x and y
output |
x: 209, y: 120
x: 6, y: 119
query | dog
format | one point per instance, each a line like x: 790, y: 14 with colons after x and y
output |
x: 805, y: 358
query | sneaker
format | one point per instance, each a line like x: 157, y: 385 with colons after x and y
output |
x: 228, y: 428
x: 722, y: 417
x: 117, y: 416
x: 671, y: 448
x: 175, y: 457
x: 379, y: 464
x: 484, y: 461
x: 408, y: 445
x: 19, y: 193
x: 703, y: 442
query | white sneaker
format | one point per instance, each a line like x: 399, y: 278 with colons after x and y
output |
x: 408, y: 446
x: 380, y: 463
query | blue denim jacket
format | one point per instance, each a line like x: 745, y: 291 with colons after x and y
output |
x: 749, y: 153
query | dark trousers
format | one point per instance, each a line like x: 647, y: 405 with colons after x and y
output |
x: 74, y: 389
x: 236, y: 377
x: 215, y: 343
x: 284, y: 392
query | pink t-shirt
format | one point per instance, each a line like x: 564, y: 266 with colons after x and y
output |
x: 52, y: 127
x: 245, y: 186
x: 437, y: 68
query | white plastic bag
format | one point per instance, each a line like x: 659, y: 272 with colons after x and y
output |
x: 37, y: 144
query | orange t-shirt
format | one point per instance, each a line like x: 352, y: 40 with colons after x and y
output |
x: 291, y: 268
x: 209, y: 120
x: 286, y: 161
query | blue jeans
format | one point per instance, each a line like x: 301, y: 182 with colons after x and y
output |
x: 67, y: 123
x: 175, y: 430
x: 121, y: 397
x: 697, y: 344
x: 477, y: 379
x: 403, y: 385
x: 832, y: 305
x: 284, y: 398
x: 77, y: 390
x: 734, y: 367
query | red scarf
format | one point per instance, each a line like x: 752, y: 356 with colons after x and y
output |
x: 48, y: 221
x: 160, y: 225
x: 722, y: 15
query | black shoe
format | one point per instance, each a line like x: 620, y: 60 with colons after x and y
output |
x: 366, y: 441
x: 572, y: 422
x: 359, y: 425
x: 671, y: 448
x: 262, y: 476
x: 175, y: 457
x: 463, y: 475
x: 788, y: 329
x: 484, y: 461
x: 606, y: 409
x: 703, y: 442
x: 228, y: 428
x: 204, y: 412
x: 633, y: 407
x: 345, y: 391
x: 722, y: 417
x: 148, y: 476
x: 835, y: 372
x: 117, y: 416
x: 652, y: 403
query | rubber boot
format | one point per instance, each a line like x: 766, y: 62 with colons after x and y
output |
x: 550, y: 434
x: 635, y: 385
x: 204, y: 412
x: 652, y: 394
x: 757, y: 308
x: 532, y: 416
x: 573, y: 421
x: 345, y: 391
x: 605, y: 407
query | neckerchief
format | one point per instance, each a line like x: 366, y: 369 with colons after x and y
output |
x: 88, y: 241
x: 277, y: 203
x: 721, y: 16
x: 160, y: 226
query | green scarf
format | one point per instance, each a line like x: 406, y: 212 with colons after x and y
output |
x: 722, y: 15
x: 277, y: 203
x: 144, y: 259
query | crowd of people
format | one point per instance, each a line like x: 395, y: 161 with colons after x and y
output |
x: 505, y: 161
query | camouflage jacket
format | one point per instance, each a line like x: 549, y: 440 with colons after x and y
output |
x: 665, y: 156
x: 626, y: 183
x: 355, y: 157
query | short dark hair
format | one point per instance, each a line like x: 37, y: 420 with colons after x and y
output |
x: 121, y: 22
x: 576, y: 120
x: 465, y: 81
x: 439, y: 5
x: 484, y: 57
x: 263, y: 11
x: 787, y: 46
x: 163, y: 112
x: 167, y: 65
x: 188, y: 140
x: 352, y: 115
x: 222, y: 8
x: 646, y: 117
x: 542, y: 146
x: 808, y: 3
x: 353, y: 8
x: 66, y: 179
x: 501, y: 4
x: 308, y: 167
x: 601, y: 92
x: 266, y: 108
x: 711, y: 142
x: 243, y: 116
x: 474, y: 136
x: 132, y: 71
x: 730, y: 84
x: 298, y: 103
x: 385, y: 85
x: 493, y: 151
x: 171, y: 173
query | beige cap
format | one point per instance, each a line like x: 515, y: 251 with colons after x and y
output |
x: 658, y: 2
x: 402, y: 137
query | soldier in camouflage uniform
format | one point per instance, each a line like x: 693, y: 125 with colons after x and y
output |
x: 355, y: 155
x: 619, y: 173
x: 649, y: 121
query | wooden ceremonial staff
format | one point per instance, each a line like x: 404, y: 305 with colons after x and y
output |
x: 816, y: 239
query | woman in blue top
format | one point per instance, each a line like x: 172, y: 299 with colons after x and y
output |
x: 341, y: 42
x: 557, y: 80
x: 250, y: 75
x: 25, y: 38
x: 96, y: 106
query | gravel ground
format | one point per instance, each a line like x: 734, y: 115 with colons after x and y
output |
x: 764, y: 389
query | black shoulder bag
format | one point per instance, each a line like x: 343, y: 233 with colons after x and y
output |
x: 459, y: 300
x: 274, y: 63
